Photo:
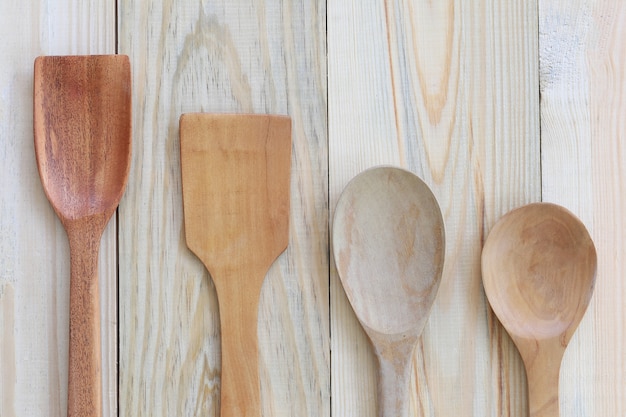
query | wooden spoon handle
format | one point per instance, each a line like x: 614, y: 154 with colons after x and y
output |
x: 543, y: 392
x: 394, y: 378
x: 543, y: 364
x: 84, y: 382
x: 240, y: 386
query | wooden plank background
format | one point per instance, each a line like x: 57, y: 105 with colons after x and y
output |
x: 424, y: 85
x: 583, y: 114
x: 221, y: 56
x: 494, y: 104
x: 34, y: 252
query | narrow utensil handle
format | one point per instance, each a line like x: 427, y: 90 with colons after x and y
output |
x: 84, y: 382
x: 394, y: 378
x: 543, y: 392
x: 543, y: 364
x: 240, y: 386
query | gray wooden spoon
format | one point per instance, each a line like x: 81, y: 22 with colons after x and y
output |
x: 388, y: 244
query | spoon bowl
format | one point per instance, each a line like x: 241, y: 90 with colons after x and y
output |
x: 82, y: 132
x: 539, y: 266
x: 388, y: 245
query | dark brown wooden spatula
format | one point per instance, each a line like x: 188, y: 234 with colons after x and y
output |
x: 236, y: 180
x: 82, y: 128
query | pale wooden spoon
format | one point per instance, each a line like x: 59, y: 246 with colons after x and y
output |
x: 236, y: 181
x: 539, y: 265
x: 388, y: 245
x: 82, y: 129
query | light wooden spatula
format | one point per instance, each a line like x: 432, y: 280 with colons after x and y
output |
x: 236, y: 180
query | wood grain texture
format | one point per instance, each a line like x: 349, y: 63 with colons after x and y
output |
x: 583, y: 102
x: 81, y: 118
x: 221, y: 56
x: 389, y: 244
x: 539, y: 268
x: 34, y: 251
x: 236, y: 175
x: 448, y: 90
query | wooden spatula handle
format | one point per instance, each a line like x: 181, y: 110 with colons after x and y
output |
x: 84, y: 381
x: 240, y: 387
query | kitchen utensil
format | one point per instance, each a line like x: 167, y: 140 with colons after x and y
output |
x: 236, y: 181
x: 539, y: 266
x: 388, y: 245
x: 82, y: 129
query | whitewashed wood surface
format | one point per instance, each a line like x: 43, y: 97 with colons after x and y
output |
x: 221, y: 56
x: 34, y: 253
x: 494, y: 104
x: 448, y: 90
x: 583, y: 114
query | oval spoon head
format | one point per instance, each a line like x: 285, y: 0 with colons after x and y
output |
x: 539, y: 266
x: 388, y: 244
x: 82, y: 128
